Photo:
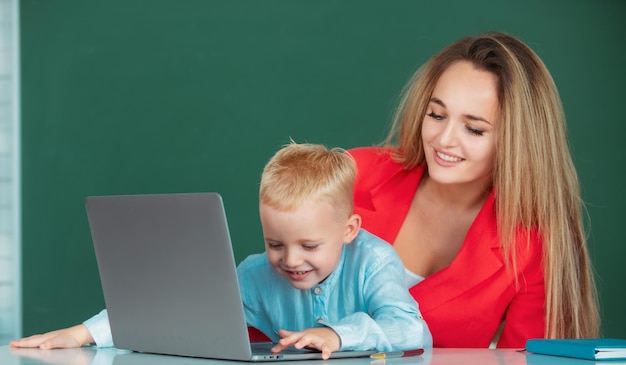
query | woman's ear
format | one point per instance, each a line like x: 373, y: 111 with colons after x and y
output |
x: 353, y: 225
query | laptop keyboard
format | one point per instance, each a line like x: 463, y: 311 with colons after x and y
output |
x: 265, y: 347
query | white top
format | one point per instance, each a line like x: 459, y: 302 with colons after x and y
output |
x: 411, y: 278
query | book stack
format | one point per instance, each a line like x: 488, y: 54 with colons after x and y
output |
x: 588, y: 348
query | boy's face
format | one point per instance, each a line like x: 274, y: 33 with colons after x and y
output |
x: 305, y: 245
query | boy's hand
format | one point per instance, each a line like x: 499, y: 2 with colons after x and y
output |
x: 70, y: 337
x: 322, y: 338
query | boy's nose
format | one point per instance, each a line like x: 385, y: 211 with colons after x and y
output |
x: 291, y: 259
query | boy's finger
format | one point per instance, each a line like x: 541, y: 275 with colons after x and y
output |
x: 277, y: 348
x: 306, y: 340
x: 288, y: 341
x: 46, y: 345
x: 284, y: 333
x: 325, y: 352
x: 32, y: 341
x: 282, y: 344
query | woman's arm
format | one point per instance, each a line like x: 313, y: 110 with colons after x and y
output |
x: 525, y: 316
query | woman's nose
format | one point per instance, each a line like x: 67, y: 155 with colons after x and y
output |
x: 448, y: 134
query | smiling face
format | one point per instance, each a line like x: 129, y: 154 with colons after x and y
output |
x: 305, y: 245
x: 458, y: 130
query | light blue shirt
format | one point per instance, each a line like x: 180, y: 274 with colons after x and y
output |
x: 364, y: 300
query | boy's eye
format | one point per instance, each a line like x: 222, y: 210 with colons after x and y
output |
x: 274, y: 246
x: 309, y: 247
x: 435, y: 116
x: 474, y: 131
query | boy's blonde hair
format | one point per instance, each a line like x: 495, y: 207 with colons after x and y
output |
x: 301, y: 172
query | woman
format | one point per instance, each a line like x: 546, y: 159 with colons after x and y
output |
x: 476, y: 189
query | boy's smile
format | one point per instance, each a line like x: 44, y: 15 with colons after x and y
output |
x: 305, y: 245
x: 297, y: 275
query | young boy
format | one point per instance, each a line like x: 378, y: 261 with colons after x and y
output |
x: 323, y: 282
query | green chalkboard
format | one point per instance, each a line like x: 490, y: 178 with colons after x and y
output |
x: 160, y: 96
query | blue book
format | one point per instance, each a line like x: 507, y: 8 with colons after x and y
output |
x: 587, y: 348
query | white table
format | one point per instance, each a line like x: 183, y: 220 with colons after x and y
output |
x: 437, y: 356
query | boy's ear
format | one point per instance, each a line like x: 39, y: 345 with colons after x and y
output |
x: 352, y: 228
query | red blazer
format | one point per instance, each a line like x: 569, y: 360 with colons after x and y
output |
x: 464, y: 303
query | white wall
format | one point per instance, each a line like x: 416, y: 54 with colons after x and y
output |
x: 10, y: 303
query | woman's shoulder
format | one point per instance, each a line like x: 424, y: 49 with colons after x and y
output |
x: 529, y: 244
x: 376, y: 159
x: 370, y: 155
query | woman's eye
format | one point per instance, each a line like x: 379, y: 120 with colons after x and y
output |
x: 435, y: 116
x: 474, y: 131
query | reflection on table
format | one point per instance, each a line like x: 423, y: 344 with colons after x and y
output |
x: 438, y: 356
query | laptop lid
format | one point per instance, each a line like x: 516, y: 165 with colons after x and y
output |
x: 169, y: 277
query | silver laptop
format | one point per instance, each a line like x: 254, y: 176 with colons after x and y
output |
x: 169, y: 278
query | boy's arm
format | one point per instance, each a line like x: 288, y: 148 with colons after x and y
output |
x: 75, y: 336
x: 100, y: 329
x: 94, y: 330
x: 391, y: 319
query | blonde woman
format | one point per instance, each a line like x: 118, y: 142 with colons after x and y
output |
x: 476, y: 190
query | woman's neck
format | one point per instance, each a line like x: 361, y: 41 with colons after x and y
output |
x: 460, y: 197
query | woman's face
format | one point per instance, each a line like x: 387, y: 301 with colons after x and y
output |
x: 458, y: 131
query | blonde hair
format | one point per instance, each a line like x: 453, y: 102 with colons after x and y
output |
x: 535, y: 181
x: 305, y: 172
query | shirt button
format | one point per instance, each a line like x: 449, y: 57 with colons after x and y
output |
x: 317, y: 290
x: 320, y: 320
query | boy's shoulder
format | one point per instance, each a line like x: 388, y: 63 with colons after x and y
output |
x: 368, y: 244
x: 368, y: 254
x: 256, y: 262
x: 366, y: 238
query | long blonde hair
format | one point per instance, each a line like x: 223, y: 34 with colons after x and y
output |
x: 535, y: 181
